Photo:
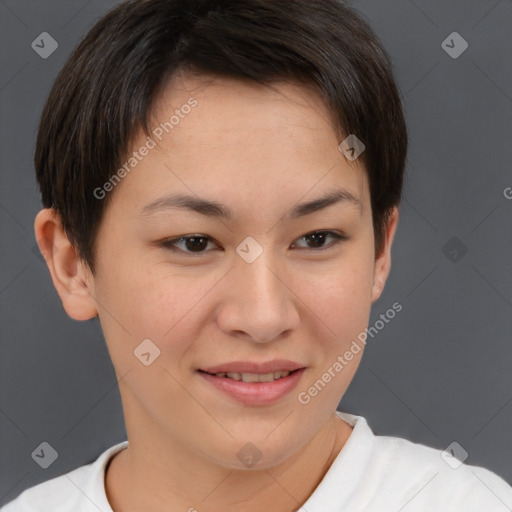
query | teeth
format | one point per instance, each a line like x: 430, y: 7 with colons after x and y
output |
x: 254, y: 377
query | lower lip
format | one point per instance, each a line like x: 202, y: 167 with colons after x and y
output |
x: 255, y: 393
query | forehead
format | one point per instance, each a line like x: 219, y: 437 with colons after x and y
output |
x: 218, y: 92
x: 242, y: 137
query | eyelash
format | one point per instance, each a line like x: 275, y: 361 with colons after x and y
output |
x: 170, y: 243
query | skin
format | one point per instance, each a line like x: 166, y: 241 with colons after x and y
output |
x: 259, y: 152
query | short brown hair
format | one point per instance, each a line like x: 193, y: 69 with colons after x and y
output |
x: 104, y: 94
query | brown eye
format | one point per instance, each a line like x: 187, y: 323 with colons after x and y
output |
x: 197, y: 244
x: 317, y: 239
x: 189, y: 244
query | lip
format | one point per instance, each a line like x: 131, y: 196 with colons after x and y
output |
x: 275, y: 365
x: 255, y: 393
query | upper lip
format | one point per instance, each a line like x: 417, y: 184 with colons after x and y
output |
x: 276, y: 365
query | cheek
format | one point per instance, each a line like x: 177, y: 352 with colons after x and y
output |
x: 166, y: 307
x: 340, y: 306
x: 340, y: 299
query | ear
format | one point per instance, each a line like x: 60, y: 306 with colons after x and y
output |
x: 383, y: 261
x: 71, y: 277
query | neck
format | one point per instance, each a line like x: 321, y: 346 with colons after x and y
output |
x: 143, y: 480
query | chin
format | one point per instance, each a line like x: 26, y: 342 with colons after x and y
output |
x: 254, y: 455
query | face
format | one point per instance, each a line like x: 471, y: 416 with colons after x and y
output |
x: 268, y: 281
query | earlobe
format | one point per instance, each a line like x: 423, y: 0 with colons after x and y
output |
x: 383, y: 262
x: 70, y: 276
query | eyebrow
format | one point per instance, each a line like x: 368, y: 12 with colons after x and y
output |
x: 215, y: 209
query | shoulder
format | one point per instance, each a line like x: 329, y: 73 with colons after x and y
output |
x: 58, y: 494
x: 436, y: 476
x: 416, y: 477
x: 80, y: 490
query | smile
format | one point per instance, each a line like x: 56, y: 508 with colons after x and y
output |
x: 256, y: 389
x: 253, y: 377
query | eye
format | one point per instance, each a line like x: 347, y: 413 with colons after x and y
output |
x: 195, y: 244
x: 192, y: 243
x: 318, y: 237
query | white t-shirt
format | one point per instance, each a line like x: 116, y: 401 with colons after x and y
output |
x: 372, y: 473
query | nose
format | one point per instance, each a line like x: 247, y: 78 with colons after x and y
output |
x: 259, y: 303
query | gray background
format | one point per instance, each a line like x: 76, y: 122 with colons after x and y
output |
x: 438, y: 372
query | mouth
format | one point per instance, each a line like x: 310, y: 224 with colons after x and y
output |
x: 273, y: 366
x: 253, y: 388
x: 252, y: 377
